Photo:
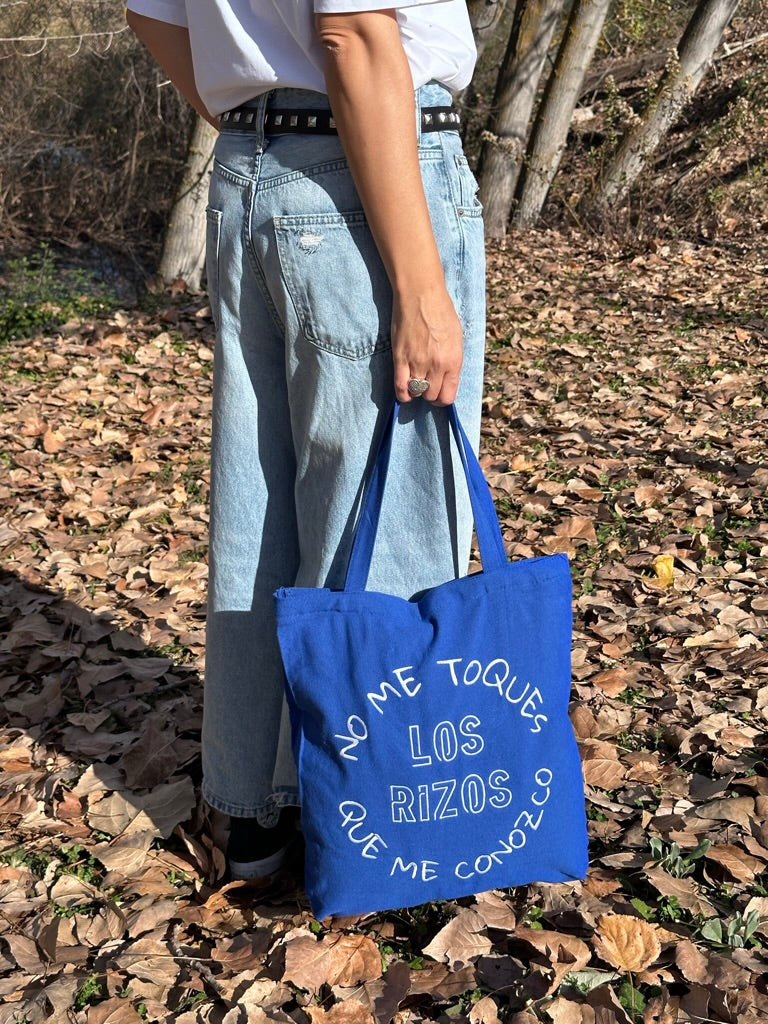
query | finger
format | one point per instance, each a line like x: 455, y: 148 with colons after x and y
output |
x: 435, y: 378
x: 443, y: 379
x: 449, y: 387
x: 402, y: 376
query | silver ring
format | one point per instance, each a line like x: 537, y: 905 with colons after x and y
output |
x: 417, y: 386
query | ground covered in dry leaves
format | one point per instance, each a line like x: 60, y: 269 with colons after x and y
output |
x: 626, y: 424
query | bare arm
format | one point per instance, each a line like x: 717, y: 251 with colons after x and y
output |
x: 365, y: 70
x: 169, y: 45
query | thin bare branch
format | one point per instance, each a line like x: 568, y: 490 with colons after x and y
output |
x: 745, y: 44
x: 50, y: 39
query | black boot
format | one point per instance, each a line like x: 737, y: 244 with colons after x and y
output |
x: 255, y: 852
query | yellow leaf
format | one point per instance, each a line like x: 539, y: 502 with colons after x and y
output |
x: 663, y: 566
x: 627, y: 943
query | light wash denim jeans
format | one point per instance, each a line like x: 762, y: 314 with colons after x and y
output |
x: 302, y: 386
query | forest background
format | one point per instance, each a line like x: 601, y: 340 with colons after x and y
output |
x: 624, y: 423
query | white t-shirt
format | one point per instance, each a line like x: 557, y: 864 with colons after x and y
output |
x: 241, y: 48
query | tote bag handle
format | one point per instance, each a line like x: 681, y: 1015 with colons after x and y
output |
x: 489, y: 538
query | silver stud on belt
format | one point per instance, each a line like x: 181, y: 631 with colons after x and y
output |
x: 322, y: 122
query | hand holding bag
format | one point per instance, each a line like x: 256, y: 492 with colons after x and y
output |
x: 435, y: 754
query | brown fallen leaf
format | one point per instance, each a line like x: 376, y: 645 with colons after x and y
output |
x: 662, y: 1009
x: 739, y: 864
x: 691, y: 961
x: 437, y: 981
x: 383, y: 996
x: 626, y: 943
x: 683, y: 889
x: 113, y: 1011
x: 601, y: 765
x: 126, y: 854
x: 725, y: 975
x: 498, y: 973
x: 149, y: 958
x: 664, y: 567
x: 157, y: 812
x: 600, y: 882
x: 720, y: 636
x: 333, y: 959
x: 148, y: 913
x: 563, y: 953
x: 348, y: 1012
x: 606, y: 1006
x: 69, y: 807
x: 60, y: 993
x: 566, y: 1011
x: 738, y: 809
x: 484, y: 1011
x: 108, y: 924
x: 261, y: 993
x: 647, y: 494
x: 759, y: 904
x: 70, y: 891
x: 152, y: 759
x: 495, y: 910
x: 613, y: 681
x: 461, y: 940
x: 25, y: 953
x: 99, y: 778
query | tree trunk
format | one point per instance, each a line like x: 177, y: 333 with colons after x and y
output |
x: 184, y: 243
x: 678, y: 84
x: 485, y: 16
x: 553, y: 119
x: 504, y: 145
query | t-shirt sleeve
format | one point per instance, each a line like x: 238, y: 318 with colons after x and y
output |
x: 172, y: 11
x: 351, y: 6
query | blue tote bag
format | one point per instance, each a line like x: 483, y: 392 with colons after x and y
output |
x: 435, y: 754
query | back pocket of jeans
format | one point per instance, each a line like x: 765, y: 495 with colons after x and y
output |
x: 336, y: 282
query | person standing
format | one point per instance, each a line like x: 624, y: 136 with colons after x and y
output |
x: 345, y: 264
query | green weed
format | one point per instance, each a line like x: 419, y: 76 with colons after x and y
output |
x: 734, y: 934
x: 632, y: 999
x: 82, y: 865
x: 176, y: 652
x: 632, y: 695
x: 178, y: 879
x: 192, y: 555
x: 59, y: 910
x: 191, y: 1000
x: 34, y: 862
x: 668, y: 909
x: 675, y: 862
x: 505, y: 506
x: 532, y: 918
x: 92, y: 991
x: 39, y: 295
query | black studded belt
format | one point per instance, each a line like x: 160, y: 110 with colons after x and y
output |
x: 320, y: 122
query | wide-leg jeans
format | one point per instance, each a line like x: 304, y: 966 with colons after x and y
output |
x: 303, y: 384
